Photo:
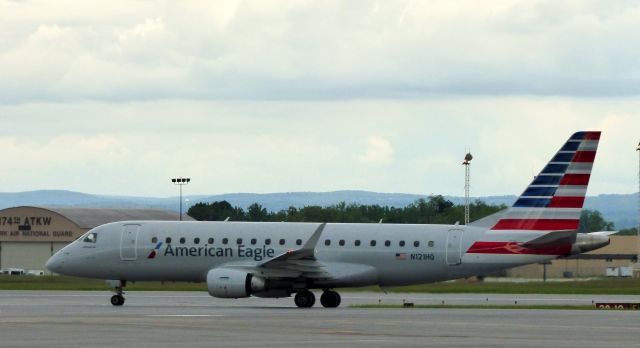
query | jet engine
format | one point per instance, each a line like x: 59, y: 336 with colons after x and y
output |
x: 590, y: 241
x: 233, y: 283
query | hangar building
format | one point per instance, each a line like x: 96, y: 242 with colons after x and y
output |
x: 621, y: 252
x: 30, y: 235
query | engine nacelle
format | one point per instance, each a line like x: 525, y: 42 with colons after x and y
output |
x: 233, y: 283
x: 590, y: 241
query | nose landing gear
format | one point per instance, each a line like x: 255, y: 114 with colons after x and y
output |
x: 117, y: 300
x: 118, y: 285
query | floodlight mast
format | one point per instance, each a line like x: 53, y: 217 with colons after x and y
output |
x: 180, y: 182
x: 467, y: 163
x: 638, y: 227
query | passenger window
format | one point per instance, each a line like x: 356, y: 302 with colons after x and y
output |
x: 327, y: 242
x: 299, y: 242
x: 372, y: 243
x: 225, y: 241
x: 281, y: 241
x: 253, y: 241
x: 416, y: 244
x: 431, y: 244
x: 182, y: 240
x: 239, y: 241
x: 401, y: 243
x: 90, y: 238
x: 196, y: 241
x: 267, y: 241
x: 210, y: 241
x: 387, y: 243
x: 154, y: 240
x: 168, y: 240
x: 341, y: 242
x: 357, y: 242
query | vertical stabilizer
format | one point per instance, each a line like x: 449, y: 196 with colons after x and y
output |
x: 554, y: 200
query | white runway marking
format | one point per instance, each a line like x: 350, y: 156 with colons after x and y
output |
x: 185, y: 315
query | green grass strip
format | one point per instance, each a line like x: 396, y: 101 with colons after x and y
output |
x: 73, y: 283
x: 604, y: 286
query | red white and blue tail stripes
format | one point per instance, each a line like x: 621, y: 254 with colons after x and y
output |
x: 553, y: 201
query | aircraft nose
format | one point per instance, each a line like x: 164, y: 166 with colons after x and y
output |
x: 54, y: 264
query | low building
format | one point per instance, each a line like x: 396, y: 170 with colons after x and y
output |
x: 621, y: 252
x: 30, y: 235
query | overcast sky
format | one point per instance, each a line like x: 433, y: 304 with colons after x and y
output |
x: 117, y: 97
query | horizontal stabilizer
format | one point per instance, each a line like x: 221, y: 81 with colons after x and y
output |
x: 602, y: 233
x: 551, y: 239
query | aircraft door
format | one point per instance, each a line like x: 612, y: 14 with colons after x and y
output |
x: 128, y: 242
x: 454, y: 247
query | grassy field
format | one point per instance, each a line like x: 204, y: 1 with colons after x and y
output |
x: 73, y: 283
x: 610, y: 286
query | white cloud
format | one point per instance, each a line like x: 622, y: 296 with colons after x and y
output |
x: 132, y: 148
x: 379, y: 151
x: 305, y: 95
x: 316, y: 50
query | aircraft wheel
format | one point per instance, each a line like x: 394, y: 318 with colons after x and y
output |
x: 117, y: 300
x: 305, y: 299
x: 330, y: 299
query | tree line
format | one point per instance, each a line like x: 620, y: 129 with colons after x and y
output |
x: 433, y: 210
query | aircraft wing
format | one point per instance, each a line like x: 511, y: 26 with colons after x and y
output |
x: 298, y: 263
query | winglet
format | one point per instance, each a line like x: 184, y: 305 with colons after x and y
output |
x: 313, y: 240
x: 306, y: 252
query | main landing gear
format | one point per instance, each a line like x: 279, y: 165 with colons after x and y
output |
x: 306, y: 299
x: 118, y: 285
x: 330, y: 299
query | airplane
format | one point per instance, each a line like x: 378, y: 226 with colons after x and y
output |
x: 281, y: 259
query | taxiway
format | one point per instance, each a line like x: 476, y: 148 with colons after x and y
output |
x: 193, y: 319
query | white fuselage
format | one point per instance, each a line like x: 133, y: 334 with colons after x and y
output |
x: 354, y: 254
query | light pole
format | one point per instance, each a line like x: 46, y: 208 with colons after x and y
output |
x: 180, y: 182
x: 467, y: 163
x: 638, y: 235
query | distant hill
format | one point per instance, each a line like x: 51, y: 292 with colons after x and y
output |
x: 619, y: 208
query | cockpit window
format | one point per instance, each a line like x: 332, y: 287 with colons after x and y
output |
x: 91, y: 237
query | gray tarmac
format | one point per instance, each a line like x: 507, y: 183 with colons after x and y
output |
x: 194, y: 319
